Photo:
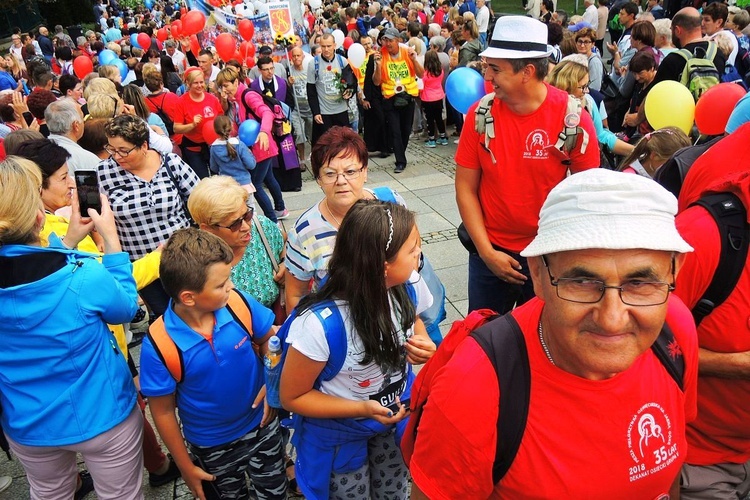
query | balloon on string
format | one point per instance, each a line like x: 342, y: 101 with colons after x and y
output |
x: 82, y: 66
x: 315, y: 4
x: 247, y: 49
x: 248, y: 132
x: 106, y: 56
x: 348, y: 43
x: 144, y: 41
x: 195, y: 45
x: 161, y: 34
x: 193, y: 22
x: 464, y: 87
x: 226, y: 46
x: 134, y: 41
x: 250, y: 62
x: 246, y: 29
x: 338, y: 37
x: 357, y: 54
x: 670, y: 103
x: 176, y: 28
x: 122, y: 67
x: 714, y: 107
x: 209, y: 134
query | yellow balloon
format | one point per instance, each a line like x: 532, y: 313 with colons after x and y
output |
x: 670, y: 103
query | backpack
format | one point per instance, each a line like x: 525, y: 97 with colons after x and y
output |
x: 484, y: 123
x: 700, y: 73
x: 161, y: 114
x: 730, y: 216
x: 282, y: 125
x: 171, y: 355
x: 501, y: 339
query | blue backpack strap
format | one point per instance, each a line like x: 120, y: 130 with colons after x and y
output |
x: 329, y: 316
x: 384, y: 193
x: 411, y: 291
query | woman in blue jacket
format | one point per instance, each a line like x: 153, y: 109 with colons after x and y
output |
x: 64, y: 386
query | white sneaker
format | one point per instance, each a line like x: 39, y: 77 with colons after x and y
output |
x: 455, y: 142
x: 5, y: 482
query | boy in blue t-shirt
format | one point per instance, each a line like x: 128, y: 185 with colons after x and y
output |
x: 224, y: 425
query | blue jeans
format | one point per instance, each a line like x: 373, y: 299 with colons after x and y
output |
x: 197, y: 156
x: 483, y: 39
x: 487, y: 291
x: 260, y: 175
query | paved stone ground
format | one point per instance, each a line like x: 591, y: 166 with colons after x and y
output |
x: 427, y: 187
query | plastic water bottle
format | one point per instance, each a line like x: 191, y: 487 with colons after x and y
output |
x: 272, y: 361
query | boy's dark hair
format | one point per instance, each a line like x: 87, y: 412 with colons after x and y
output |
x: 186, y: 258
x: 716, y: 11
x: 554, y: 34
x: 42, y: 79
x: 630, y: 8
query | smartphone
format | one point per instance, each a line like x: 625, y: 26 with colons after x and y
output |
x: 87, y: 186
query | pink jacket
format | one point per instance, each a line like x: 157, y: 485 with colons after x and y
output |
x: 254, y: 101
x: 433, y: 87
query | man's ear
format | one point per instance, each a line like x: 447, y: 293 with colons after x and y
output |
x: 538, y: 273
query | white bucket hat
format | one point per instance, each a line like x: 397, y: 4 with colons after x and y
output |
x: 603, y: 209
x: 518, y: 37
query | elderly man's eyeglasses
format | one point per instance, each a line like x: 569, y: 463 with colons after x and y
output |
x: 330, y: 177
x: 119, y: 152
x: 236, y: 225
x: 635, y: 292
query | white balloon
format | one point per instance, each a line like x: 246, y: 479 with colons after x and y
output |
x: 338, y: 37
x: 239, y: 9
x: 315, y: 4
x: 261, y: 8
x: 249, y: 9
x: 356, y: 55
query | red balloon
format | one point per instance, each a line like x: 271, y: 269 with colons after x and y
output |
x: 714, y: 107
x: 209, y: 135
x: 250, y: 62
x: 183, y: 12
x: 144, y: 41
x: 246, y: 29
x: 193, y: 22
x: 82, y: 66
x: 176, y: 28
x: 348, y: 43
x: 247, y: 49
x: 161, y: 34
x: 195, y: 46
x: 226, y: 46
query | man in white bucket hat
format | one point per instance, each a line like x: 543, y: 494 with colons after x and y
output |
x: 510, y: 156
x: 609, y: 355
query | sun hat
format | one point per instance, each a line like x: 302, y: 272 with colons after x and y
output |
x: 391, y: 33
x: 518, y: 37
x: 604, y: 209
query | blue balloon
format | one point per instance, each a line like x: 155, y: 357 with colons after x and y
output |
x: 740, y: 115
x: 248, y: 132
x: 149, y: 4
x: 464, y: 87
x: 134, y: 40
x: 122, y: 67
x: 106, y: 56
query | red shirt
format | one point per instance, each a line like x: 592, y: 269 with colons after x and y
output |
x: 513, y: 190
x: 208, y: 108
x: 620, y: 438
x: 170, y: 105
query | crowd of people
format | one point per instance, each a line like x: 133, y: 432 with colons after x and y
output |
x: 595, y: 359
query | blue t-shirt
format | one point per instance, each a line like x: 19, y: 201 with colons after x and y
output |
x: 7, y: 82
x: 220, y: 381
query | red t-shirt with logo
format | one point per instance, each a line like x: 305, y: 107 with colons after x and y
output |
x: 513, y: 190
x: 620, y: 438
x: 209, y: 108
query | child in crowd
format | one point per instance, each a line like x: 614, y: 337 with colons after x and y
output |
x: 230, y: 157
x: 225, y: 426
x: 653, y: 150
x: 432, y: 98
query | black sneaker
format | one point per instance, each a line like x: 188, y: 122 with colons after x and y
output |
x: 156, y: 480
x: 87, y: 485
x: 399, y: 168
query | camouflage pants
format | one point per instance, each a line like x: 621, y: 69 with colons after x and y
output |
x: 259, y: 453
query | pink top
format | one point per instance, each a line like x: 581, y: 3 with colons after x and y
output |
x: 433, y: 87
x: 255, y: 102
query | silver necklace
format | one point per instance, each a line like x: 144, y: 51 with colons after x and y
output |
x: 544, y: 344
x: 338, y: 223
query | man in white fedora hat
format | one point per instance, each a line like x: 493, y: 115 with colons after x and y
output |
x: 505, y: 172
x: 605, y: 362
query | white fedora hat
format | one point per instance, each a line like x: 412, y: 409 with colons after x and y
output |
x: 518, y: 37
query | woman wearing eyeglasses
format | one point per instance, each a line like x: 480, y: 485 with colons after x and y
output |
x: 146, y: 191
x: 339, y: 164
x: 585, y: 38
x: 219, y: 205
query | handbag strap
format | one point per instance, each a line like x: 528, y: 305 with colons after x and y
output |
x: 274, y: 262
x: 181, y: 195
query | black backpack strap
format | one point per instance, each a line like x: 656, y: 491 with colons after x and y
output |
x: 669, y: 353
x: 731, y: 219
x: 503, y: 342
